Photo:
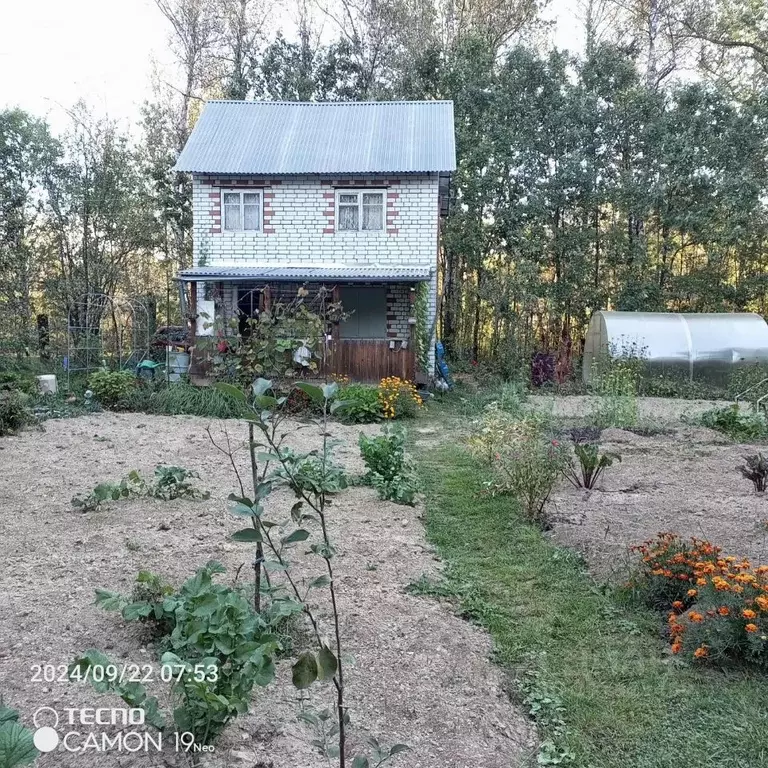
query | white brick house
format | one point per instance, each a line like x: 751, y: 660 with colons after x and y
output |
x: 344, y: 194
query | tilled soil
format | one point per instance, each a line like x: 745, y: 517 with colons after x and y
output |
x: 417, y: 673
x: 684, y: 481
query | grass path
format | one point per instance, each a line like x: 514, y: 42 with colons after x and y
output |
x: 594, y: 673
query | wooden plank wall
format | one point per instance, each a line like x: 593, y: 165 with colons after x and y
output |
x: 371, y: 360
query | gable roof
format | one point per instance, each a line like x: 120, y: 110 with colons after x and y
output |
x: 282, y: 137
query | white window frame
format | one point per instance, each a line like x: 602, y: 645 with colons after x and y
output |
x: 360, y: 192
x: 242, y: 193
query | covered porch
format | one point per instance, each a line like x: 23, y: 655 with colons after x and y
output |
x: 373, y: 339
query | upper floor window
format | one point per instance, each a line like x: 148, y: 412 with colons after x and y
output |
x: 242, y: 210
x: 359, y: 210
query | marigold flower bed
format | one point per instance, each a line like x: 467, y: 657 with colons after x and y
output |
x: 718, y: 606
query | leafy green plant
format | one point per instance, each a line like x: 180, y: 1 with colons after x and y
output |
x: 16, y: 741
x: 309, y: 474
x: 755, y: 470
x: 110, y: 387
x: 14, y: 414
x: 131, y: 485
x: 737, y: 424
x: 362, y: 404
x: 592, y: 464
x: 16, y: 381
x: 168, y: 483
x: 216, y: 650
x: 173, y: 483
x: 390, y: 470
x: 145, y: 604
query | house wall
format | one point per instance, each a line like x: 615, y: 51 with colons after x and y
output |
x: 299, y: 224
x: 299, y: 230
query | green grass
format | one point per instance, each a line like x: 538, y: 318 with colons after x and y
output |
x: 594, y: 670
x: 183, y: 398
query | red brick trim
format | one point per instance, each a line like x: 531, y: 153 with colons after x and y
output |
x: 329, y: 231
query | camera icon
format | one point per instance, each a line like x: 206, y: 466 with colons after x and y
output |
x: 45, y: 737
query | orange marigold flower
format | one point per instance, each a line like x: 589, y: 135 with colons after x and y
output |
x: 695, y: 617
x: 678, y: 604
x: 700, y: 652
x: 677, y: 647
x: 693, y: 593
x: 747, y: 613
x: 701, y: 582
x: 723, y: 610
x: 751, y: 627
x: 762, y: 602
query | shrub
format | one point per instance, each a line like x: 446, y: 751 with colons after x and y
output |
x: 523, y: 461
x: 14, y: 414
x: 110, y: 387
x: 362, y: 405
x: 756, y: 470
x: 399, y: 398
x: 592, y: 464
x: 491, y: 431
x: 737, y: 424
x: 13, y: 381
x: 528, y: 468
x: 390, y: 471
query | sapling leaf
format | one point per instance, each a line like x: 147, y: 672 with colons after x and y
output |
x: 330, y: 390
x: 320, y: 581
x: 315, y: 393
x: 304, y: 671
x: 300, y: 534
x: 240, y: 499
x: 360, y: 762
x: 231, y: 390
x: 247, y: 534
x: 327, y: 663
x: 246, y: 511
x: 397, y: 748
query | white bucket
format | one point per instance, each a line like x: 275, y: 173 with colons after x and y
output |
x: 47, y: 384
x: 178, y: 365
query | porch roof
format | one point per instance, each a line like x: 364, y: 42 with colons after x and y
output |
x: 307, y: 274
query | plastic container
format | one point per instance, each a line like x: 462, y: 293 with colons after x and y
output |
x: 178, y: 365
x: 47, y: 384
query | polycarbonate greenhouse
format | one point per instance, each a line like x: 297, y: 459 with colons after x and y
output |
x: 697, y: 347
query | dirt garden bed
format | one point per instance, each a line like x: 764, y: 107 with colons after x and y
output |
x: 418, y: 675
x: 683, y: 481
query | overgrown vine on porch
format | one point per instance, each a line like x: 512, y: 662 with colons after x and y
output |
x: 421, y: 331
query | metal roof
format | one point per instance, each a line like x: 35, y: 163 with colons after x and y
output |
x: 308, y: 274
x: 281, y: 137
